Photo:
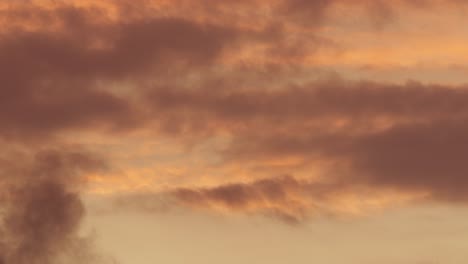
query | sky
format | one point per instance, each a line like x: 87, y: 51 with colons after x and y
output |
x: 233, y: 131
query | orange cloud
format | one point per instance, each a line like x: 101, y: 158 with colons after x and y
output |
x: 235, y: 70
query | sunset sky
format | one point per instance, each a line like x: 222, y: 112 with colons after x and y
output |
x: 233, y: 131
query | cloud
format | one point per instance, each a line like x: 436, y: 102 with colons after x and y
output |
x: 62, y: 77
x: 418, y: 148
x: 410, y: 157
x: 279, y: 197
x: 321, y: 107
x: 427, y: 157
x: 114, y: 66
x: 41, y: 208
x: 285, y: 198
x: 406, y: 138
x: 51, y: 79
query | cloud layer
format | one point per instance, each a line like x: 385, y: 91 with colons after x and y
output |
x: 244, y: 71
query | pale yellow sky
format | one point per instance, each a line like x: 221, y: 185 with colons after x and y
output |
x: 414, y: 235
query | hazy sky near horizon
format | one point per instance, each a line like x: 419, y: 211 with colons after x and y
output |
x: 233, y: 131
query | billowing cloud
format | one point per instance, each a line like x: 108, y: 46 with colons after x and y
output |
x: 41, y: 209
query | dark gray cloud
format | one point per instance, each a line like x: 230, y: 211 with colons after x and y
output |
x: 41, y: 210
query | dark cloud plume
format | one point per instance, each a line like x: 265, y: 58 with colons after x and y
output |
x: 41, y: 210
